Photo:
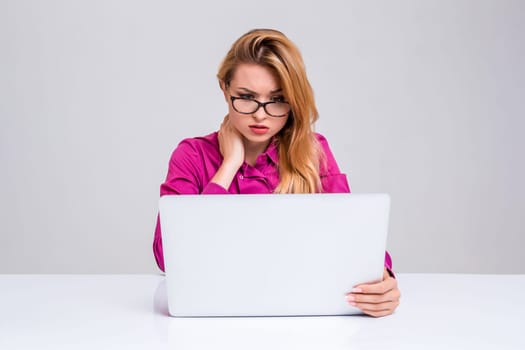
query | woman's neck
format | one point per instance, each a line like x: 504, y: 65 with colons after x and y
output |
x: 252, y: 150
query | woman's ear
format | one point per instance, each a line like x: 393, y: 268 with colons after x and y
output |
x: 222, y: 84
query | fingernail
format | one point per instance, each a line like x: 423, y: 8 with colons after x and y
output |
x: 350, y: 297
x: 356, y: 290
x: 352, y: 303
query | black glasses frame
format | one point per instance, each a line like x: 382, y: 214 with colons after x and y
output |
x: 259, y: 105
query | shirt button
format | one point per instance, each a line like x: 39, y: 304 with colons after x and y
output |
x: 241, y: 177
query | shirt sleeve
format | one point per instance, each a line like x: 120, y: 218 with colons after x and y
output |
x: 183, y: 171
x: 184, y: 177
x: 388, y: 265
x: 213, y: 188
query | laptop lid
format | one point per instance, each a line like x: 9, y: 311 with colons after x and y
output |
x: 270, y: 255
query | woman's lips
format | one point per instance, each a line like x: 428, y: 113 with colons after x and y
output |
x: 259, y: 129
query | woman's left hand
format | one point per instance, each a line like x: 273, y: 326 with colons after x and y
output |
x: 376, y: 299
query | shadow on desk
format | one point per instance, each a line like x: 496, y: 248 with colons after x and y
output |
x: 253, y: 332
x: 160, y: 299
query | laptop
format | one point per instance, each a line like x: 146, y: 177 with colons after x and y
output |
x: 270, y: 254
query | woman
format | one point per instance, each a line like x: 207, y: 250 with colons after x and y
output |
x: 266, y: 144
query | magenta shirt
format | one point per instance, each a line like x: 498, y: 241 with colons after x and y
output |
x: 196, y: 160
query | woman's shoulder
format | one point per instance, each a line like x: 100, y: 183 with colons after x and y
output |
x: 199, y: 145
x: 210, y: 140
x: 328, y: 162
x: 206, y: 142
x: 322, y: 140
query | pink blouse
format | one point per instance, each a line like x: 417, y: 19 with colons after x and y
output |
x: 196, y: 160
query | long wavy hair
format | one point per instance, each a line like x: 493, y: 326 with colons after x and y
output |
x: 299, y: 151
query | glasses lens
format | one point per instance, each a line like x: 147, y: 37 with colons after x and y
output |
x: 277, y: 109
x: 242, y: 105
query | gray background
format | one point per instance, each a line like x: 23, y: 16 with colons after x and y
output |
x: 420, y: 99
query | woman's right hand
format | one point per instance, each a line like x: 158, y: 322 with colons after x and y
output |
x: 231, y: 145
x: 232, y: 150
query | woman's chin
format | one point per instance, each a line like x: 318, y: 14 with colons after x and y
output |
x: 254, y: 140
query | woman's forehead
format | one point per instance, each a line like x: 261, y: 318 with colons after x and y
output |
x: 256, y: 78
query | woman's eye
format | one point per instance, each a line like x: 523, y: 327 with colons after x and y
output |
x: 246, y: 96
x: 278, y: 99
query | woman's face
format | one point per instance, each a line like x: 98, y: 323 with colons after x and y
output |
x: 253, y: 81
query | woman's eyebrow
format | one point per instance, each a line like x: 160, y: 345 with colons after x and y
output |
x: 247, y: 90
x: 255, y: 93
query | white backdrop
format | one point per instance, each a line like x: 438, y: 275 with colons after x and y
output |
x: 420, y: 99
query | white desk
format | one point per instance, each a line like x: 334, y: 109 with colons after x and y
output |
x: 438, y: 311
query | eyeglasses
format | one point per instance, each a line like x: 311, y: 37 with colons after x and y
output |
x: 245, y: 105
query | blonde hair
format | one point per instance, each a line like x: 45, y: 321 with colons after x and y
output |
x: 299, y: 151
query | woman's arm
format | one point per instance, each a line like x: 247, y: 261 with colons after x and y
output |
x: 232, y: 151
x: 185, y: 173
x: 185, y: 176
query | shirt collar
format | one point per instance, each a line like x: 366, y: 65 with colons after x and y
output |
x: 272, y: 152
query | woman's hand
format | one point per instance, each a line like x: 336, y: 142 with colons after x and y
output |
x: 376, y: 299
x: 231, y: 145
x: 232, y: 150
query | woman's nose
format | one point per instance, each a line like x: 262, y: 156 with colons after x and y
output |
x: 260, y: 114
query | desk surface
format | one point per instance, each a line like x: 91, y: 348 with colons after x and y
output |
x: 437, y: 311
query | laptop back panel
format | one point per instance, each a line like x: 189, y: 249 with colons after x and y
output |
x: 270, y: 255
